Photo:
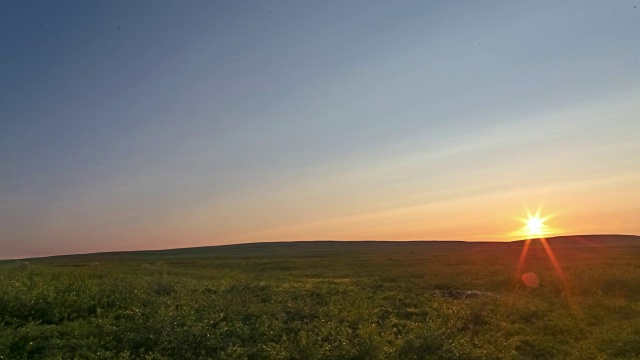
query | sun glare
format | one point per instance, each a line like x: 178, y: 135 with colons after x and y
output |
x: 535, y: 226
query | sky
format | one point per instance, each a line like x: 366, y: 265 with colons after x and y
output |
x: 162, y: 124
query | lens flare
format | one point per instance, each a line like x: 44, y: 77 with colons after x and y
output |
x: 535, y: 228
x: 531, y: 280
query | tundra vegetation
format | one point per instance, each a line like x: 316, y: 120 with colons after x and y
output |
x: 327, y: 300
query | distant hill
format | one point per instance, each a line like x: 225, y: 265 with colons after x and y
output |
x: 333, y: 247
x: 592, y: 240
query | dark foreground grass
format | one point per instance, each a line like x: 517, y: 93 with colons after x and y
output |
x: 323, y: 301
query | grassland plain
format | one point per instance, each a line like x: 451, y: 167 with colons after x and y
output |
x: 327, y: 300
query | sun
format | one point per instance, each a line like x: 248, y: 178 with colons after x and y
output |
x: 535, y: 226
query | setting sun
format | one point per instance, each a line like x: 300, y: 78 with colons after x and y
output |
x: 535, y: 225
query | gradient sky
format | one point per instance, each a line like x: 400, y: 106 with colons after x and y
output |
x: 159, y: 124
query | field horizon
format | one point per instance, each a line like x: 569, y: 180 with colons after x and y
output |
x: 561, y: 240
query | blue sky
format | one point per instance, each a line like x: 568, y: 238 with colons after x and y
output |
x: 151, y: 124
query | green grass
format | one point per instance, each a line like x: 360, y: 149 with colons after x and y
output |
x: 323, y: 301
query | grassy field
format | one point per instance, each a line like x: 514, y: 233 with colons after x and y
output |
x: 327, y: 300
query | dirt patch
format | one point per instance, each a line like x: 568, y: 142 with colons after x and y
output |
x: 463, y: 294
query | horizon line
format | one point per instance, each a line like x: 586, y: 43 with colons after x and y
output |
x: 306, y: 241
